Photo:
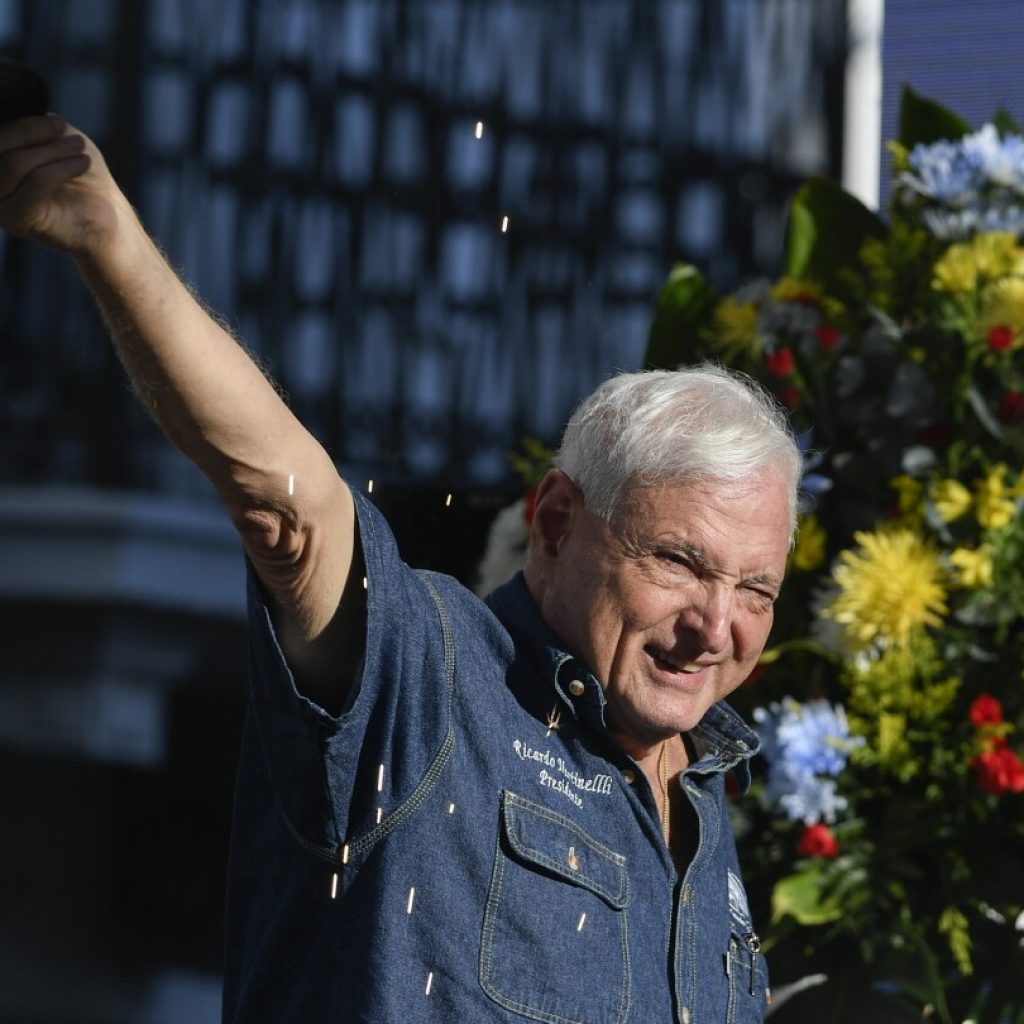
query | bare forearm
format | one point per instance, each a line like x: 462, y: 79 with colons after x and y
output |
x: 217, y: 406
x: 280, y: 488
x: 194, y: 378
x: 203, y: 389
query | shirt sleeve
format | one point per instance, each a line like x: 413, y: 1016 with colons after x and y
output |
x: 342, y: 780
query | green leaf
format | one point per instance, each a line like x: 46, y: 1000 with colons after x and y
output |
x: 1006, y: 124
x: 682, y: 310
x: 925, y: 121
x: 799, y: 896
x: 807, y: 646
x: 827, y: 227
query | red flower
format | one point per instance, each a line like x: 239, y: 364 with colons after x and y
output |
x: 1000, y: 337
x: 1011, y: 407
x: 789, y: 397
x: 817, y: 841
x: 530, y: 505
x: 985, y: 710
x: 999, y: 771
x: 828, y: 336
x: 780, y: 363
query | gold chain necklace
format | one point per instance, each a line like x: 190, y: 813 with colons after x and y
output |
x: 663, y: 773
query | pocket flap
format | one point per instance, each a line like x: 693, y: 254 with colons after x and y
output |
x: 540, y: 836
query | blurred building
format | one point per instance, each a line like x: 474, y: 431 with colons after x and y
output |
x: 438, y: 225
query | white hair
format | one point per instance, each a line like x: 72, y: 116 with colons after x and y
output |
x: 674, y: 426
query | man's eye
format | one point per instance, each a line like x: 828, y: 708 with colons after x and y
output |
x: 675, y: 558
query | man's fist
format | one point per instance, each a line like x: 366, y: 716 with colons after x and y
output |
x: 22, y: 92
x: 55, y: 187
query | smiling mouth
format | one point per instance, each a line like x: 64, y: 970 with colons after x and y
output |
x: 688, y: 668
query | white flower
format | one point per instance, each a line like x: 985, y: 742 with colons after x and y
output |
x: 505, y: 554
x: 999, y: 161
x: 827, y: 632
x: 977, y: 180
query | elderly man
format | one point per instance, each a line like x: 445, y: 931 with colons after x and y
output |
x: 450, y: 810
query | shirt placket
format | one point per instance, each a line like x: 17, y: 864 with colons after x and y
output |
x: 686, y: 909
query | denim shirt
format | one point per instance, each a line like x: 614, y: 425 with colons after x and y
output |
x: 465, y: 842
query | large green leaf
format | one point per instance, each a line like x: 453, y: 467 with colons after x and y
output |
x: 799, y: 896
x: 925, y: 121
x: 1005, y: 123
x: 683, y: 308
x: 827, y: 227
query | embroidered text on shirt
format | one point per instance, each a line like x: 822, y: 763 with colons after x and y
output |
x: 571, y: 784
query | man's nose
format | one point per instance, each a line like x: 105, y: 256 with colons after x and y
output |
x: 710, y: 615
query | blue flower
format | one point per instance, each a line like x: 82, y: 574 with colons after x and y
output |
x: 943, y: 173
x: 957, y: 174
x: 807, y: 746
x: 812, y: 800
x: 997, y: 161
x: 951, y: 225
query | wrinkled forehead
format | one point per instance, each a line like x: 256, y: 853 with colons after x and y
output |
x: 639, y: 493
x: 678, y: 507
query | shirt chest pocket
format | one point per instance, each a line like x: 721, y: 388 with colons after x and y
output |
x: 555, y: 942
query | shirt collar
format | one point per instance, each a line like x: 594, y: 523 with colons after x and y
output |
x: 723, y: 740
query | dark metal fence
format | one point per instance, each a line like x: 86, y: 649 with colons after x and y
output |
x: 314, y: 168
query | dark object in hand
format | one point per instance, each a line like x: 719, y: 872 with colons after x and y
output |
x: 22, y: 92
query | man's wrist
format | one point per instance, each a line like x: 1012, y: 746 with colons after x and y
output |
x: 117, y: 250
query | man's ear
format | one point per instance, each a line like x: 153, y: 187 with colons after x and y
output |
x: 559, y: 503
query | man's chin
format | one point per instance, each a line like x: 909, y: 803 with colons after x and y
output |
x: 651, y: 726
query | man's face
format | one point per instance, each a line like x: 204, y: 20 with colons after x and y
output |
x: 671, y: 603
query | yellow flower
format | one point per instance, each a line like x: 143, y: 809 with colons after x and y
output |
x: 910, y: 495
x: 996, y: 254
x: 900, y: 156
x: 809, y: 552
x: 954, y: 924
x: 799, y: 290
x: 1002, y: 306
x: 893, y: 749
x: 994, y: 503
x: 795, y: 289
x: 966, y: 265
x: 950, y: 498
x: 956, y: 271
x: 890, y: 587
x: 734, y: 329
x: 973, y: 567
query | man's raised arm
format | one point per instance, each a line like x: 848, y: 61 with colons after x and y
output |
x: 294, y: 513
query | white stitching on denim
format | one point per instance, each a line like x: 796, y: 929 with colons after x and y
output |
x: 513, y: 801
x: 490, y: 923
x: 366, y: 842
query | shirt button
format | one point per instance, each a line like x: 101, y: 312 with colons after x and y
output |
x: 629, y: 775
x: 684, y: 1015
x: 576, y: 688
